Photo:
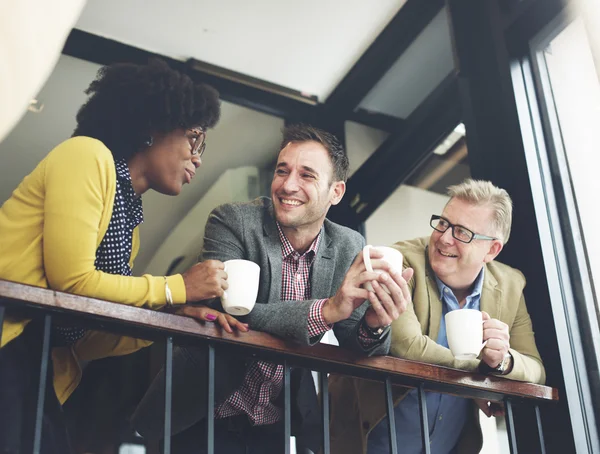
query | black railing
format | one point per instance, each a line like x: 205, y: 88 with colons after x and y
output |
x: 325, y: 359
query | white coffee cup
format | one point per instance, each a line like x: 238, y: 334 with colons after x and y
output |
x: 390, y: 255
x: 464, y: 330
x: 242, y: 277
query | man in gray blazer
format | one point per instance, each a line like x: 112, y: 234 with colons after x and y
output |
x: 311, y: 280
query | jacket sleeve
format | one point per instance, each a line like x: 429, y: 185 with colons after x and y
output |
x: 347, y: 334
x: 78, y: 199
x: 527, y: 363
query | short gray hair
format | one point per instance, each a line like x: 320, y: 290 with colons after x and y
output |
x: 481, y: 192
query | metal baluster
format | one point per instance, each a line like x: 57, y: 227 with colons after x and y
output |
x: 424, y: 419
x: 391, y: 416
x: 510, y: 426
x: 538, y: 418
x: 168, y: 396
x: 39, y: 413
x: 287, y: 407
x: 325, y: 407
x: 210, y: 416
x: 1, y: 320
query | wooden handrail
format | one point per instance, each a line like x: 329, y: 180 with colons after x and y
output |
x: 322, y: 357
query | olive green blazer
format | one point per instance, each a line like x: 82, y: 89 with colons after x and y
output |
x: 358, y: 405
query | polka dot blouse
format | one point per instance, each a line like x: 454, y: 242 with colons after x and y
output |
x: 114, y: 252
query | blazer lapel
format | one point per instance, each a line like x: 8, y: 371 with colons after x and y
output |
x: 322, y: 270
x: 321, y: 278
x: 429, y: 315
x: 435, y: 304
x: 273, y: 250
x: 491, y: 296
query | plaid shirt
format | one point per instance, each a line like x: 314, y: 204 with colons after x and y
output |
x: 264, y: 380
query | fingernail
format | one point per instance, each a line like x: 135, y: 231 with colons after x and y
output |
x: 211, y: 317
x: 384, y: 276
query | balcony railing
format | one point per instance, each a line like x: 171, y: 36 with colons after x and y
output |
x: 143, y: 323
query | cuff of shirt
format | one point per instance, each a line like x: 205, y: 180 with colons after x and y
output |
x: 364, y: 339
x: 316, y: 322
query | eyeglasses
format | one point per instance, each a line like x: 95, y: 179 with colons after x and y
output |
x: 459, y: 232
x: 198, y: 141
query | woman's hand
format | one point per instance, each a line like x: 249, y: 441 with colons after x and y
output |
x: 204, y: 313
x: 205, y: 280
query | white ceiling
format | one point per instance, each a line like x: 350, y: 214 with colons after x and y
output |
x: 306, y: 45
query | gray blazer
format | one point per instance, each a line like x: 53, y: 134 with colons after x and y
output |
x: 248, y: 231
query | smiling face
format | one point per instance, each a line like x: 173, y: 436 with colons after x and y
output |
x: 302, y: 189
x: 169, y: 162
x: 458, y: 264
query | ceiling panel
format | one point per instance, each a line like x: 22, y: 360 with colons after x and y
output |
x: 308, y: 46
x: 418, y: 71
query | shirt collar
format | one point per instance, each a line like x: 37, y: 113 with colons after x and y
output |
x: 477, y: 285
x: 287, y: 248
x: 124, y: 179
x: 123, y: 170
x: 132, y: 202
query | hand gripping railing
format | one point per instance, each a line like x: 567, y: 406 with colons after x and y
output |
x: 144, y: 323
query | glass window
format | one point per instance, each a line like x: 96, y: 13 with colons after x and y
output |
x: 575, y: 96
x: 561, y: 149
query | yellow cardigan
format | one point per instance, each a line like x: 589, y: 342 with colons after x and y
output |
x: 50, y: 229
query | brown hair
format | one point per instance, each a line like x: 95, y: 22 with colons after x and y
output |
x: 305, y: 133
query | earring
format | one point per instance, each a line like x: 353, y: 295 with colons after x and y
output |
x: 150, y: 141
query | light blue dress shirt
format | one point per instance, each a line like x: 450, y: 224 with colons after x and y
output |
x: 446, y: 414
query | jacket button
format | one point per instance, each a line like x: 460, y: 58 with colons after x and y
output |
x: 366, y: 425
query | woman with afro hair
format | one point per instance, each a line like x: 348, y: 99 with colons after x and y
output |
x: 72, y: 225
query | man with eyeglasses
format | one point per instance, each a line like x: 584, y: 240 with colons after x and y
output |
x: 454, y: 269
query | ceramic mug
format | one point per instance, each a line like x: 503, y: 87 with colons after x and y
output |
x: 464, y: 330
x: 242, y: 277
x: 390, y: 255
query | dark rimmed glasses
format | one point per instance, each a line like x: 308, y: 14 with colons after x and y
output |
x: 462, y: 234
x: 198, y: 141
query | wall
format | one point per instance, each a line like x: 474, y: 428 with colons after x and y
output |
x: 361, y: 142
x: 235, y: 185
x: 404, y: 215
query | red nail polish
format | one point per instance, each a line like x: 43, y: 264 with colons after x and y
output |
x: 211, y: 317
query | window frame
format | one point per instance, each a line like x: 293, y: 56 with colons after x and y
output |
x: 573, y: 300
